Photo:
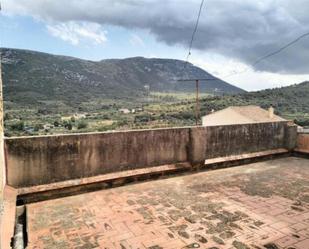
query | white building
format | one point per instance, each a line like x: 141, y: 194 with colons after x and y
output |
x: 124, y: 111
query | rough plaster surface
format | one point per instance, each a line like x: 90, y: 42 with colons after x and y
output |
x: 42, y: 160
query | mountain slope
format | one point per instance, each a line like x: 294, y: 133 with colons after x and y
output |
x: 30, y: 77
x: 291, y: 102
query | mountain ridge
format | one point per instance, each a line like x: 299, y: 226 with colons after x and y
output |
x: 30, y: 76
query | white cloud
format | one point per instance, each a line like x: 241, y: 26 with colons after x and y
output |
x: 76, y: 32
x: 243, y: 76
x: 136, y: 40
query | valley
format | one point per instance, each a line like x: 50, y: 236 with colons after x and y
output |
x: 50, y: 94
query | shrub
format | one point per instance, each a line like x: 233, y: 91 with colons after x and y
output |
x: 82, y: 125
x: 143, y: 118
x: 68, y: 126
x: 38, y: 127
x: 302, y: 122
x: 56, y: 123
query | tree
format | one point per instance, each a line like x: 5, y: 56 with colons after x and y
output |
x: 7, y: 116
x: 68, y: 126
x: 56, y: 123
x: 18, y: 126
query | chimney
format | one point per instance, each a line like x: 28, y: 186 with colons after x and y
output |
x: 271, y: 112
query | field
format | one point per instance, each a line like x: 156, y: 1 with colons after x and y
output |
x: 152, y: 111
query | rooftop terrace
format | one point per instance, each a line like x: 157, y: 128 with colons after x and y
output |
x: 259, y: 205
x: 72, y: 191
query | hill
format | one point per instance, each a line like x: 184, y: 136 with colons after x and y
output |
x: 47, y: 94
x: 291, y: 102
x: 31, y: 78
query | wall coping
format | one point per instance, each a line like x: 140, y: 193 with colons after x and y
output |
x: 138, y: 130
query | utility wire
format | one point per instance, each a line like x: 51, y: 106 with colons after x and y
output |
x: 280, y: 49
x: 194, y: 31
x: 270, y: 54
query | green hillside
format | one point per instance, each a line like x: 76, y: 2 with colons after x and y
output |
x: 152, y: 111
x: 38, y: 79
x: 47, y: 94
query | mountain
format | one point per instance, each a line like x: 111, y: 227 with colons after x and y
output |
x: 30, y: 77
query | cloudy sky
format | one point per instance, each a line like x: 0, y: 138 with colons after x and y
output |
x: 232, y: 34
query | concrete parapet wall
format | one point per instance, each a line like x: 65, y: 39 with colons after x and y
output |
x: 42, y: 160
x: 303, y: 143
x: 239, y: 139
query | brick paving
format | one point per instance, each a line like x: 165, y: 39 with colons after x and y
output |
x: 260, y: 205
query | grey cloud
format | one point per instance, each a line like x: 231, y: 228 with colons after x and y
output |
x: 241, y: 29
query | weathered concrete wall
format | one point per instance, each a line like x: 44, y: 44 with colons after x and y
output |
x: 40, y: 160
x: 303, y: 143
x: 290, y: 136
x: 219, y: 141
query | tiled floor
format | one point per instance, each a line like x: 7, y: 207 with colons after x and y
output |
x: 261, y: 205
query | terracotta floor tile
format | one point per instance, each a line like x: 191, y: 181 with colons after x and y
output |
x: 245, y: 206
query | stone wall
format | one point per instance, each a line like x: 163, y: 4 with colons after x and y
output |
x: 46, y: 159
x: 303, y: 143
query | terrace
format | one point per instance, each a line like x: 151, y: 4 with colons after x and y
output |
x: 249, y: 206
x: 164, y: 188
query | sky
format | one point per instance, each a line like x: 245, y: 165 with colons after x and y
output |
x: 232, y: 34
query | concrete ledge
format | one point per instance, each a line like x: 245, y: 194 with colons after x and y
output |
x: 7, y: 221
x: 245, y: 156
x: 71, y: 187
x: 301, y: 153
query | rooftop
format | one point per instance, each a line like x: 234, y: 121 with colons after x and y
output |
x: 241, y: 115
x: 258, y: 205
x: 64, y: 191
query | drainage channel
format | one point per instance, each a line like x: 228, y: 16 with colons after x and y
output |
x: 20, y: 238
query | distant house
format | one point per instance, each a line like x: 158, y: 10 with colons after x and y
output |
x: 66, y: 118
x: 79, y: 115
x: 124, y: 111
x: 74, y: 116
x: 241, y: 115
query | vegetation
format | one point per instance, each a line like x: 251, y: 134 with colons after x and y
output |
x: 154, y: 111
x: 47, y: 94
x: 82, y: 125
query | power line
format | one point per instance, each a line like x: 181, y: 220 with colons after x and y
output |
x: 194, y: 31
x: 270, y: 55
x: 280, y: 49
